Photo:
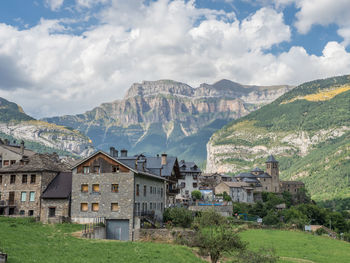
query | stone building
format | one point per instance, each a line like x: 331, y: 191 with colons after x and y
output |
x: 268, y: 181
x: 123, y: 192
x: 240, y: 192
x: 210, y: 180
x: 11, y: 153
x: 56, y: 199
x: 189, y: 180
x: 22, y: 184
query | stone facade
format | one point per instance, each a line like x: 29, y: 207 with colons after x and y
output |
x: 114, y: 195
x: 291, y: 186
x: 22, y: 197
x: 62, y: 209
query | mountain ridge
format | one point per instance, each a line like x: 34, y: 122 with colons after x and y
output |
x: 169, y: 109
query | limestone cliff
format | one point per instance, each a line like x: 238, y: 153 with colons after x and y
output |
x: 157, y: 116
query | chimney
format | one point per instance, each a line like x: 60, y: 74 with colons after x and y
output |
x: 22, y: 148
x: 164, y: 155
x: 123, y: 153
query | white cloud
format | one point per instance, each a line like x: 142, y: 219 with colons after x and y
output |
x: 54, y: 5
x: 60, y: 73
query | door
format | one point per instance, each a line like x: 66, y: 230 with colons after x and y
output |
x: 11, y: 198
x: 117, y: 229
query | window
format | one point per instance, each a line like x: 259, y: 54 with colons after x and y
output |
x: 115, y: 188
x: 97, y: 169
x: 114, y: 207
x: 137, y: 190
x: 0, y: 179
x: 150, y: 189
x: 13, y: 179
x: 161, y: 206
x: 32, y: 179
x: 84, y: 207
x: 150, y: 206
x: 115, y: 169
x: 30, y: 212
x: 161, y: 192
x: 52, y: 211
x: 95, y: 188
x: 86, y: 169
x: 95, y: 207
x: 13, y: 162
x: 24, y: 179
x: 23, y: 196
x: 21, y: 212
x: 32, y: 196
x: 6, y: 162
x: 144, y: 190
x: 84, y: 188
x: 195, y: 185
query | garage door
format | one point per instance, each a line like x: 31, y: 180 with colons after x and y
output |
x: 117, y: 229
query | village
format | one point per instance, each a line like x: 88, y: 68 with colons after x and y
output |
x: 122, y: 191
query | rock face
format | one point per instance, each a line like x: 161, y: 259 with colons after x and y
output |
x: 39, y: 135
x: 307, y: 129
x: 157, y: 116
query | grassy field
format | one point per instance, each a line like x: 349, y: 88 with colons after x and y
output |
x: 26, y: 242
x: 301, y: 247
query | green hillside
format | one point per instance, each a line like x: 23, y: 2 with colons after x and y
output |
x: 10, y: 111
x: 307, y: 129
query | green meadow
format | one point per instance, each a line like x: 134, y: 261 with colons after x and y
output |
x: 25, y: 241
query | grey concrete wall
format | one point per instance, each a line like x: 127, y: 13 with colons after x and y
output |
x: 225, y: 210
x: 9, y: 155
x: 188, y: 180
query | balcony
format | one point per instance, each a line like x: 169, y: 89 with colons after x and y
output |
x: 7, y: 203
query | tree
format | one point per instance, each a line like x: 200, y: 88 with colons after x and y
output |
x: 196, y: 194
x: 179, y: 216
x: 216, y: 240
x: 226, y: 197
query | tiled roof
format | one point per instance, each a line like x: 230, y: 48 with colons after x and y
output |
x: 264, y: 175
x: 37, y: 163
x: 236, y: 184
x: 17, y: 149
x: 257, y: 169
x: 60, y: 187
x: 189, y: 167
x: 244, y: 175
x: 271, y: 159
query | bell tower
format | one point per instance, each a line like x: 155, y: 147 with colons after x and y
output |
x: 273, y: 171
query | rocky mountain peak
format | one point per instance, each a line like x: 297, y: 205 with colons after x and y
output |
x: 150, y: 88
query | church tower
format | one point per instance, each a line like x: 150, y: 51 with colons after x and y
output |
x: 273, y: 171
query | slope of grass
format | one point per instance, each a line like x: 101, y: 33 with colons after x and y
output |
x: 25, y: 241
x: 298, y: 246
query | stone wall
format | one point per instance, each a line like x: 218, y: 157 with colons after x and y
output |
x: 61, y: 213
x: 225, y: 210
x: 165, y: 235
x: 41, y: 182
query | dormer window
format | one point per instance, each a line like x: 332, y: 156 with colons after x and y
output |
x: 115, y: 169
x: 97, y: 169
x: 86, y: 169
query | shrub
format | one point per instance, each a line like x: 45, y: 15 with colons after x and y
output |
x: 208, y: 218
x: 320, y: 231
x: 196, y: 194
x: 179, y: 216
x: 271, y: 219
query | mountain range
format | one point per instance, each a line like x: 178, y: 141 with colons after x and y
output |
x: 308, y: 131
x: 40, y: 136
x: 169, y: 116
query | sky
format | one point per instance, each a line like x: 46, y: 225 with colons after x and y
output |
x: 62, y: 57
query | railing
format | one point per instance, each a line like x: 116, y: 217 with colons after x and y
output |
x: 144, y: 213
x: 90, y: 228
x: 7, y: 203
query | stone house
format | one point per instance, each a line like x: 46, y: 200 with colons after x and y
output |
x: 210, y: 180
x: 240, y: 192
x: 22, y: 184
x: 161, y: 165
x: 56, y: 199
x: 268, y: 181
x: 123, y: 192
x: 189, y: 180
x: 11, y: 153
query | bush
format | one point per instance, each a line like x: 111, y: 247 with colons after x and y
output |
x: 208, y: 218
x: 320, y: 231
x: 196, y: 194
x: 179, y: 216
x: 226, y: 197
x: 264, y: 255
x: 271, y: 219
